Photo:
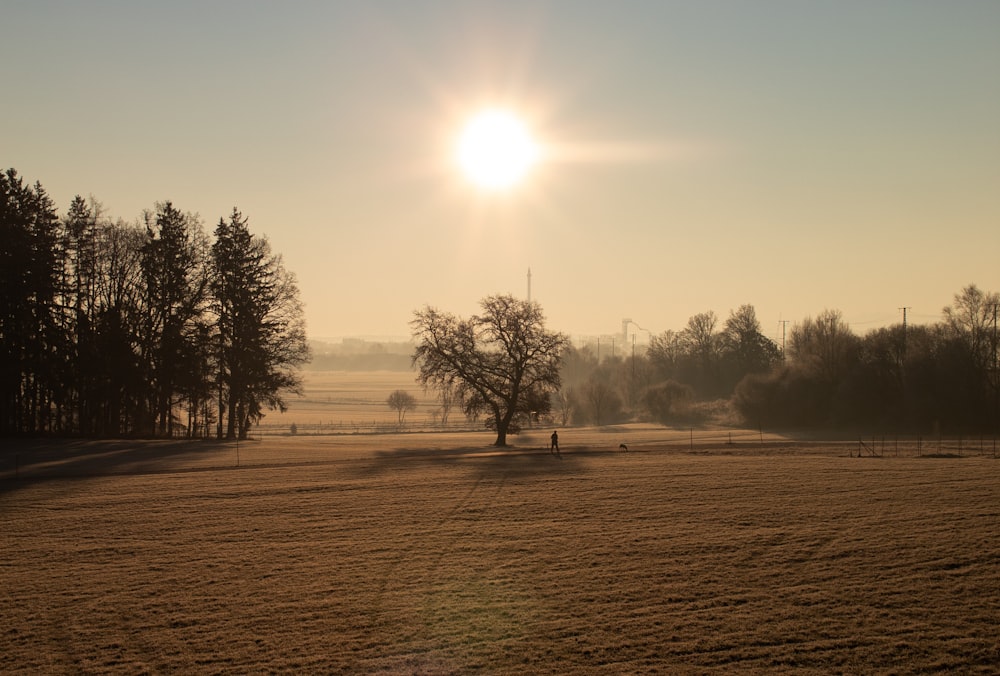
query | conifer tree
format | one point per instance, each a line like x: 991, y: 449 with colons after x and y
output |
x: 30, y: 257
x: 261, y: 330
x: 176, y: 284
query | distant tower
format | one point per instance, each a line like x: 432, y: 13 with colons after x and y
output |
x: 529, y: 285
x: 625, y: 323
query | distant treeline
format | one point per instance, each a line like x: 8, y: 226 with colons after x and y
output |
x: 149, y: 328
x: 927, y: 378
x: 360, y: 355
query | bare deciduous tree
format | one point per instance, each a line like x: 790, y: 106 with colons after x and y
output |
x: 603, y: 403
x: 972, y: 319
x: 665, y: 353
x: 503, y: 362
x: 446, y: 395
x: 401, y: 401
x: 824, y: 345
x: 563, y: 401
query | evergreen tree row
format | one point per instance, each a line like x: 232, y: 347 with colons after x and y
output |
x: 111, y: 328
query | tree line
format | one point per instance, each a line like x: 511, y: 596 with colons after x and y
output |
x: 505, y: 365
x: 925, y: 378
x: 148, y: 328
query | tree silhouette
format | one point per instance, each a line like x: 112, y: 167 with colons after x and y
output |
x: 173, y: 268
x: 112, y: 328
x: 107, y: 329
x: 502, y: 362
x: 261, y: 330
x: 603, y: 405
x: 824, y: 345
x: 401, y: 401
x: 119, y: 332
x: 30, y: 326
x: 745, y: 349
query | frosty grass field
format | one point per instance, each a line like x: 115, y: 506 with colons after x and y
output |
x: 435, y: 553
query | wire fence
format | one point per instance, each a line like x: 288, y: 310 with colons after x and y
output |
x: 932, y: 446
x: 861, y: 445
x: 71, y: 458
x: 361, y: 427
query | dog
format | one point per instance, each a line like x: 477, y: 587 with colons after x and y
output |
x: 622, y: 447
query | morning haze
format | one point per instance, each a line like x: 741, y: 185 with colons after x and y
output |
x: 794, y: 156
x: 434, y: 337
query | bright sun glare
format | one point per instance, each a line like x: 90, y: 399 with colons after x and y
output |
x: 495, y: 150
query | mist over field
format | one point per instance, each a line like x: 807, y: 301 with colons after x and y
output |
x: 356, y: 354
x: 499, y: 337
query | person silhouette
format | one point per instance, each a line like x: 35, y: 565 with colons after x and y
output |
x: 554, y: 444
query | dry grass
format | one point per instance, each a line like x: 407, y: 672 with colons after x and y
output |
x: 435, y: 554
x: 340, y: 401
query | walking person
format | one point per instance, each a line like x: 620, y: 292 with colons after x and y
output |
x: 554, y: 444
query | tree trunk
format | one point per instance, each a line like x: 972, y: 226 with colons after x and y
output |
x: 503, y: 424
x: 231, y: 422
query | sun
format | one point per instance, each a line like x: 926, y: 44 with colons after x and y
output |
x: 495, y: 150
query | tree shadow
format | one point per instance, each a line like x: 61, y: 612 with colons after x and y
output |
x: 486, y: 461
x: 25, y: 462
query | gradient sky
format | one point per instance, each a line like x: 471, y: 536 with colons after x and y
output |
x: 793, y: 155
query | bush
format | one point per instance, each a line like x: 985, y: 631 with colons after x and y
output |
x: 785, y: 397
x: 668, y: 402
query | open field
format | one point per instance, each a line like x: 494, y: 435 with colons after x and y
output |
x: 353, y: 403
x: 347, y: 401
x: 437, y: 554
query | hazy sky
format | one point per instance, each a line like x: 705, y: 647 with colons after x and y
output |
x: 793, y: 155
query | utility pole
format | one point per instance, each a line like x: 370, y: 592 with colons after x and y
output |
x: 633, y: 356
x: 995, y: 306
x: 904, y: 309
x: 996, y: 374
x: 529, y: 285
x: 902, y: 361
x: 784, y: 323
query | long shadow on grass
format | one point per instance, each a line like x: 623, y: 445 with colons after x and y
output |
x: 28, y: 461
x: 486, y: 461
